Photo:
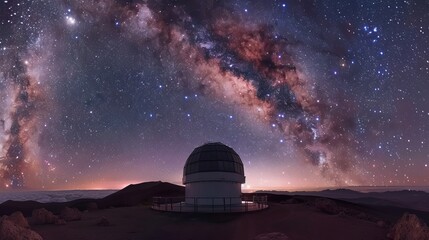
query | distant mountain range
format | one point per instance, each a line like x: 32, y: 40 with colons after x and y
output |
x: 418, y: 200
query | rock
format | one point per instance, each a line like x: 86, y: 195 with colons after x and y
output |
x: 381, y: 223
x: 11, y: 231
x: 60, y: 222
x: 92, y: 206
x: 71, y: 214
x: 342, y: 214
x: 104, y: 222
x: 43, y: 216
x: 327, y: 206
x: 19, y: 219
x: 271, y: 236
x: 409, y: 227
x: 362, y: 215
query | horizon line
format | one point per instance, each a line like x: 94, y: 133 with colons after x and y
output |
x: 245, y: 190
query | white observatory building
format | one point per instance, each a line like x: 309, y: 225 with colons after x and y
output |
x: 213, y: 174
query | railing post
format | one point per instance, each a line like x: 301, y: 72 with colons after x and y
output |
x: 224, y: 207
x: 230, y: 207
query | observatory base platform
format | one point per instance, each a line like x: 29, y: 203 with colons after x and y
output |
x: 179, y: 205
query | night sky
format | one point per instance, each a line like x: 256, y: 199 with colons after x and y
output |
x: 104, y: 93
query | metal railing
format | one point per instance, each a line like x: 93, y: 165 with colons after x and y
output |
x: 206, y: 204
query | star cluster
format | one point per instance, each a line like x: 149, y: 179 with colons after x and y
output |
x: 99, y: 94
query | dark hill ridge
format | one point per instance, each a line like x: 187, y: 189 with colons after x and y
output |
x: 412, y: 199
x: 341, y: 191
x: 131, y: 195
x: 142, y: 193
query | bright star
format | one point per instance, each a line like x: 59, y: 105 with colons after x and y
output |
x: 70, y: 20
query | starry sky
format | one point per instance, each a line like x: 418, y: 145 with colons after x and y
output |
x: 104, y: 93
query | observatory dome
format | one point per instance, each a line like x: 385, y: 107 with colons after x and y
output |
x: 212, y: 174
x: 213, y: 157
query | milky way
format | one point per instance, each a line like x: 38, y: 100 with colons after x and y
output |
x: 24, y: 104
x: 92, y: 89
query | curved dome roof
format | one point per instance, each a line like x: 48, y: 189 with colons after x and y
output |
x: 213, y: 157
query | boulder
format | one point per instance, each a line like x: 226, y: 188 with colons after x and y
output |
x: 71, y: 214
x: 11, y: 231
x: 104, y: 222
x: 342, y: 214
x: 381, y: 223
x: 60, y: 222
x: 43, y: 216
x: 19, y: 219
x: 409, y: 227
x: 362, y: 215
x: 271, y: 236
